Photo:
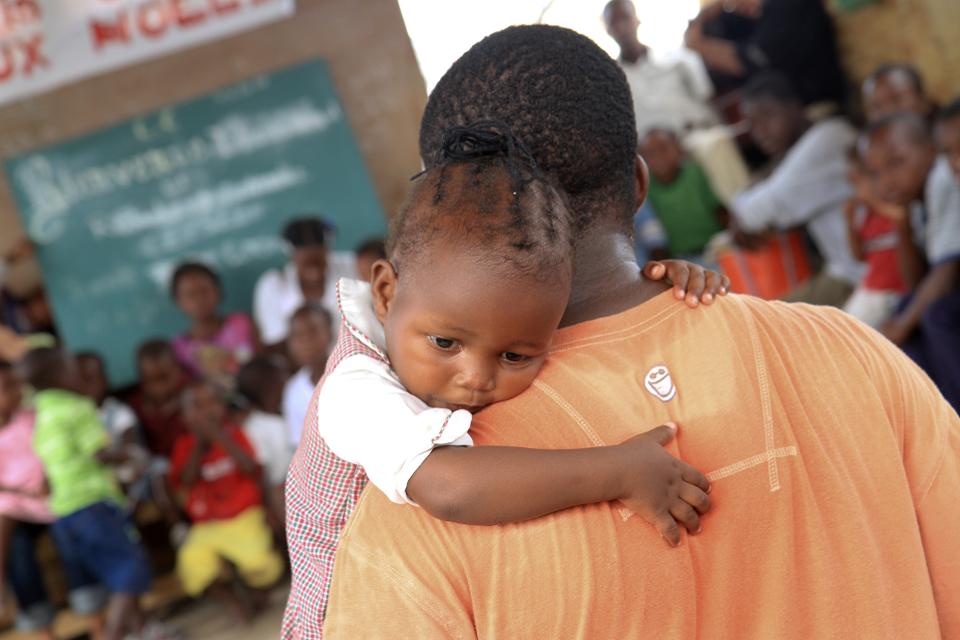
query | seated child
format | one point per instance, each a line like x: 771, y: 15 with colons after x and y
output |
x: 91, y: 527
x: 680, y: 194
x: 215, y: 466
x: 24, y: 516
x: 367, y: 253
x: 144, y: 477
x: 260, y: 384
x: 415, y: 361
x: 157, y: 399
x: 872, y: 233
x: 901, y: 156
x: 214, y: 346
x: 309, y: 345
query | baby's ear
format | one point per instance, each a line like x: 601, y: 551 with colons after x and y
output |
x: 383, y: 286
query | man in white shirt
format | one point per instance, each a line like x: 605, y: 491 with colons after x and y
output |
x: 673, y: 93
x: 807, y: 187
x: 310, y: 276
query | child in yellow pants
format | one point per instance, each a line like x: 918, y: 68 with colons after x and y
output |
x: 215, y: 465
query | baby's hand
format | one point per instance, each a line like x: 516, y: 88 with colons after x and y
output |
x: 690, y: 281
x: 664, y: 491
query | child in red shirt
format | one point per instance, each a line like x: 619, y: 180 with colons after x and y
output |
x: 872, y: 234
x: 215, y: 466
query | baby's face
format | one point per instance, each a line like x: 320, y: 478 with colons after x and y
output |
x: 463, y: 335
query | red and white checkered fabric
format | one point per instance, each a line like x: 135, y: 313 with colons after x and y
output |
x: 322, y: 491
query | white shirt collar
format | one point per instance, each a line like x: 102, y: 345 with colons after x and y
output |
x: 356, y: 308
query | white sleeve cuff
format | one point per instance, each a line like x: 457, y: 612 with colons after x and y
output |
x: 454, y: 434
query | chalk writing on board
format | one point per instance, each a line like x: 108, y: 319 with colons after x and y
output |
x: 51, y: 190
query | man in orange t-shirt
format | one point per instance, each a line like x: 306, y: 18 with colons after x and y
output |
x: 835, y: 462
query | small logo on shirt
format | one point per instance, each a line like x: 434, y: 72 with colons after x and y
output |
x: 659, y: 383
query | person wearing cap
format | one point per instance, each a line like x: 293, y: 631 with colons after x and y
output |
x: 311, y: 275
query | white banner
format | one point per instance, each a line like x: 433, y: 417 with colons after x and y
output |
x: 48, y: 43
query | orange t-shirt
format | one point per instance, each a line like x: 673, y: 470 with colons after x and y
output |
x: 836, y: 477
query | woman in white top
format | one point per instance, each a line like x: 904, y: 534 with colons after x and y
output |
x: 310, y: 276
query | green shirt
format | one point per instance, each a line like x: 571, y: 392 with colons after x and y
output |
x: 67, y: 434
x: 687, y: 208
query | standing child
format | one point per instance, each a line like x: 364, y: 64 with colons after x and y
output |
x: 215, y: 465
x: 309, y: 343
x: 91, y: 527
x: 458, y: 319
x: 214, y: 346
x: 681, y: 195
x: 872, y: 232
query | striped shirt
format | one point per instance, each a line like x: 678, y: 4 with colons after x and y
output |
x: 67, y: 435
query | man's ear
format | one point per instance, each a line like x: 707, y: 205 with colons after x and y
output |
x: 383, y: 286
x: 642, y: 176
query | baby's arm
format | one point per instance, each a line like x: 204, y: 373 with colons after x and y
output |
x: 367, y: 417
x: 491, y: 485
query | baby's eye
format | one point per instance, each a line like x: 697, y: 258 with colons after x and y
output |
x: 514, y: 358
x: 445, y: 344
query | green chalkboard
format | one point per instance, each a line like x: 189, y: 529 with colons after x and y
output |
x: 214, y: 179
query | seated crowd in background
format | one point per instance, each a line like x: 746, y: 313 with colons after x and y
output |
x: 879, y: 207
x: 203, y: 442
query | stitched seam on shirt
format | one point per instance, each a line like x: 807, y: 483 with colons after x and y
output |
x: 581, y: 422
x: 752, y: 461
x: 619, y: 335
x: 773, y: 471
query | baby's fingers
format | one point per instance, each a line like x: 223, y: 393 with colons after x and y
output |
x: 695, y: 286
x: 667, y: 526
x: 686, y: 515
x: 696, y: 498
x: 717, y: 284
x: 694, y: 477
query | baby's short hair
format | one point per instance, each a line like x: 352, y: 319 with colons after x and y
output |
x: 484, y: 190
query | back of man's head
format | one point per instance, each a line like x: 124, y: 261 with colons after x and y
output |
x: 564, y: 98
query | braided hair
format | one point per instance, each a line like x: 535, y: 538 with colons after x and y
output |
x: 564, y: 97
x: 485, y: 192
